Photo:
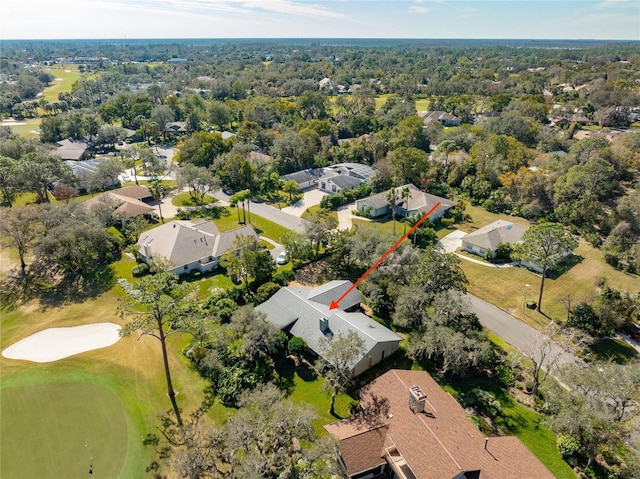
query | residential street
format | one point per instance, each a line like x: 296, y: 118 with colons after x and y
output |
x: 269, y: 212
x: 518, y: 334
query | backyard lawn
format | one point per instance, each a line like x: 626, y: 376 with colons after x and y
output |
x: 263, y: 226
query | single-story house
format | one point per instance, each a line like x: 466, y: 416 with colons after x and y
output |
x: 304, y: 178
x: 125, y: 202
x: 410, y: 428
x: 345, y: 176
x: 485, y: 240
x: 84, y: 170
x: 376, y: 205
x: 72, y: 150
x: 189, y: 245
x: 176, y: 127
x: 326, y: 84
x: 442, y: 117
x: 305, y: 313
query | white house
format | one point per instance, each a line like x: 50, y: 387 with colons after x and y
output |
x: 485, y: 241
x: 418, y: 201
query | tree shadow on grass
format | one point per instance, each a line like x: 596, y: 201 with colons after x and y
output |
x: 53, y: 292
x: 566, y: 264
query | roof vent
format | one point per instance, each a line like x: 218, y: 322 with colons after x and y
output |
x: 324, y: 325
x: 417, y: 399
x: 509, y: 227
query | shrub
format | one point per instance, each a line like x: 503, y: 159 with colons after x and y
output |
x: 567, y: 445
x: 284, y: 277
x: 484, y: 401
x: 447, y: 222
x: 140, y: 270
x: 265, y: 291
x: 584, y: 317
x: 297, y: 346
x: 503, y: 252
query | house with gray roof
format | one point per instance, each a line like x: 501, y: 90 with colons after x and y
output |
x: 71, y: 149
x: 442, y: 117
x: 85, y: 170
x: 418, y: 202
x: 485, y: 241
x: 189, y: 245
x: 304, y: 178
x: 305, y: 313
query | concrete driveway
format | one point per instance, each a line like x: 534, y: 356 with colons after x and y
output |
x: 452, y: 241
x: 310, y: 198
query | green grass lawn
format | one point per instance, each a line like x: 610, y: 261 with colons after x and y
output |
x: 66, y: 76
x: 506, y: 288
x: 184, y: 199
x: 610, y: 349
x: 62, y: 430
x: 25, y: 127
x: 312, y: 209
x: 522, y: 422
x: 263, y: 226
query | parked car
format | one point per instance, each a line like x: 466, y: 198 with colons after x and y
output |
x: 633, y: 331
x: 282, y: 258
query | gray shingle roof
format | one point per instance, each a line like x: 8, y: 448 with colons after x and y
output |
x: 183, y: 242
x: 490, y: 236
x: 342, y: 181
x: 419, y: 200
x: 303, y: 176
x: 332, y: 291
x: 293, y: 310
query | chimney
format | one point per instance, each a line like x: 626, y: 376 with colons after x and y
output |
x: 417, y: 398
x: 147, y: 251
x: 324, y: 325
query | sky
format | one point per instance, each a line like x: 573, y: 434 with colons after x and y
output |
x: 481, y: 19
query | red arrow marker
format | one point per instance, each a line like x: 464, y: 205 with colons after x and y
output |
x: 335, y: 304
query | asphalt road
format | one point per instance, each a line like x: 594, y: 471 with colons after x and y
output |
x: 274, y: 214
x: 518, y: 334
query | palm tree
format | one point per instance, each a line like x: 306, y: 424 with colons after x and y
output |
x: 158, y: 190
x: 290, y: 186
x: 233, y: 201
x: 405, y: 195
x: 412, y: 220
x: 392, y: 200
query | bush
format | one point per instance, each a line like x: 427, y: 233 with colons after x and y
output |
x: 484, y: 401
x: 584, y: 317
x: 265, y: 291
x: 140, y: 270
x: 297, y: 346
x: 447, y: 222
x: 568, y: 446
x: 284, y: 277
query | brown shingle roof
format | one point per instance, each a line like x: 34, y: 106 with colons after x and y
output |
x: 440, y: 443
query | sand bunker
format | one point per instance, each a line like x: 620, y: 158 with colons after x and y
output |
x: 57, y: 343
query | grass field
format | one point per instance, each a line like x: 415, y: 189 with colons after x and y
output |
x: 25, y: 127
x: 97, y: 440
x: 109, y: 398
x: 263, y: 226
x: 506, y: 288
x: 66, y: 76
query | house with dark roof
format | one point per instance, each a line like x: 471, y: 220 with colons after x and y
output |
x: 485, y: 240
x: 305, y: 178
x: 442, y: 117
x: 409, y: 428
x: 189, y: 245
x: 124, y: 202
x: 418, y: 201
x: 305, y: 313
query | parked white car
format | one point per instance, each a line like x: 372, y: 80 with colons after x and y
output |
x: 282, y: 258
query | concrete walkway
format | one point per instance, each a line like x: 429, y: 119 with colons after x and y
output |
x: 277, y: 247
x: 345, y: 217
x: 309, y: 198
